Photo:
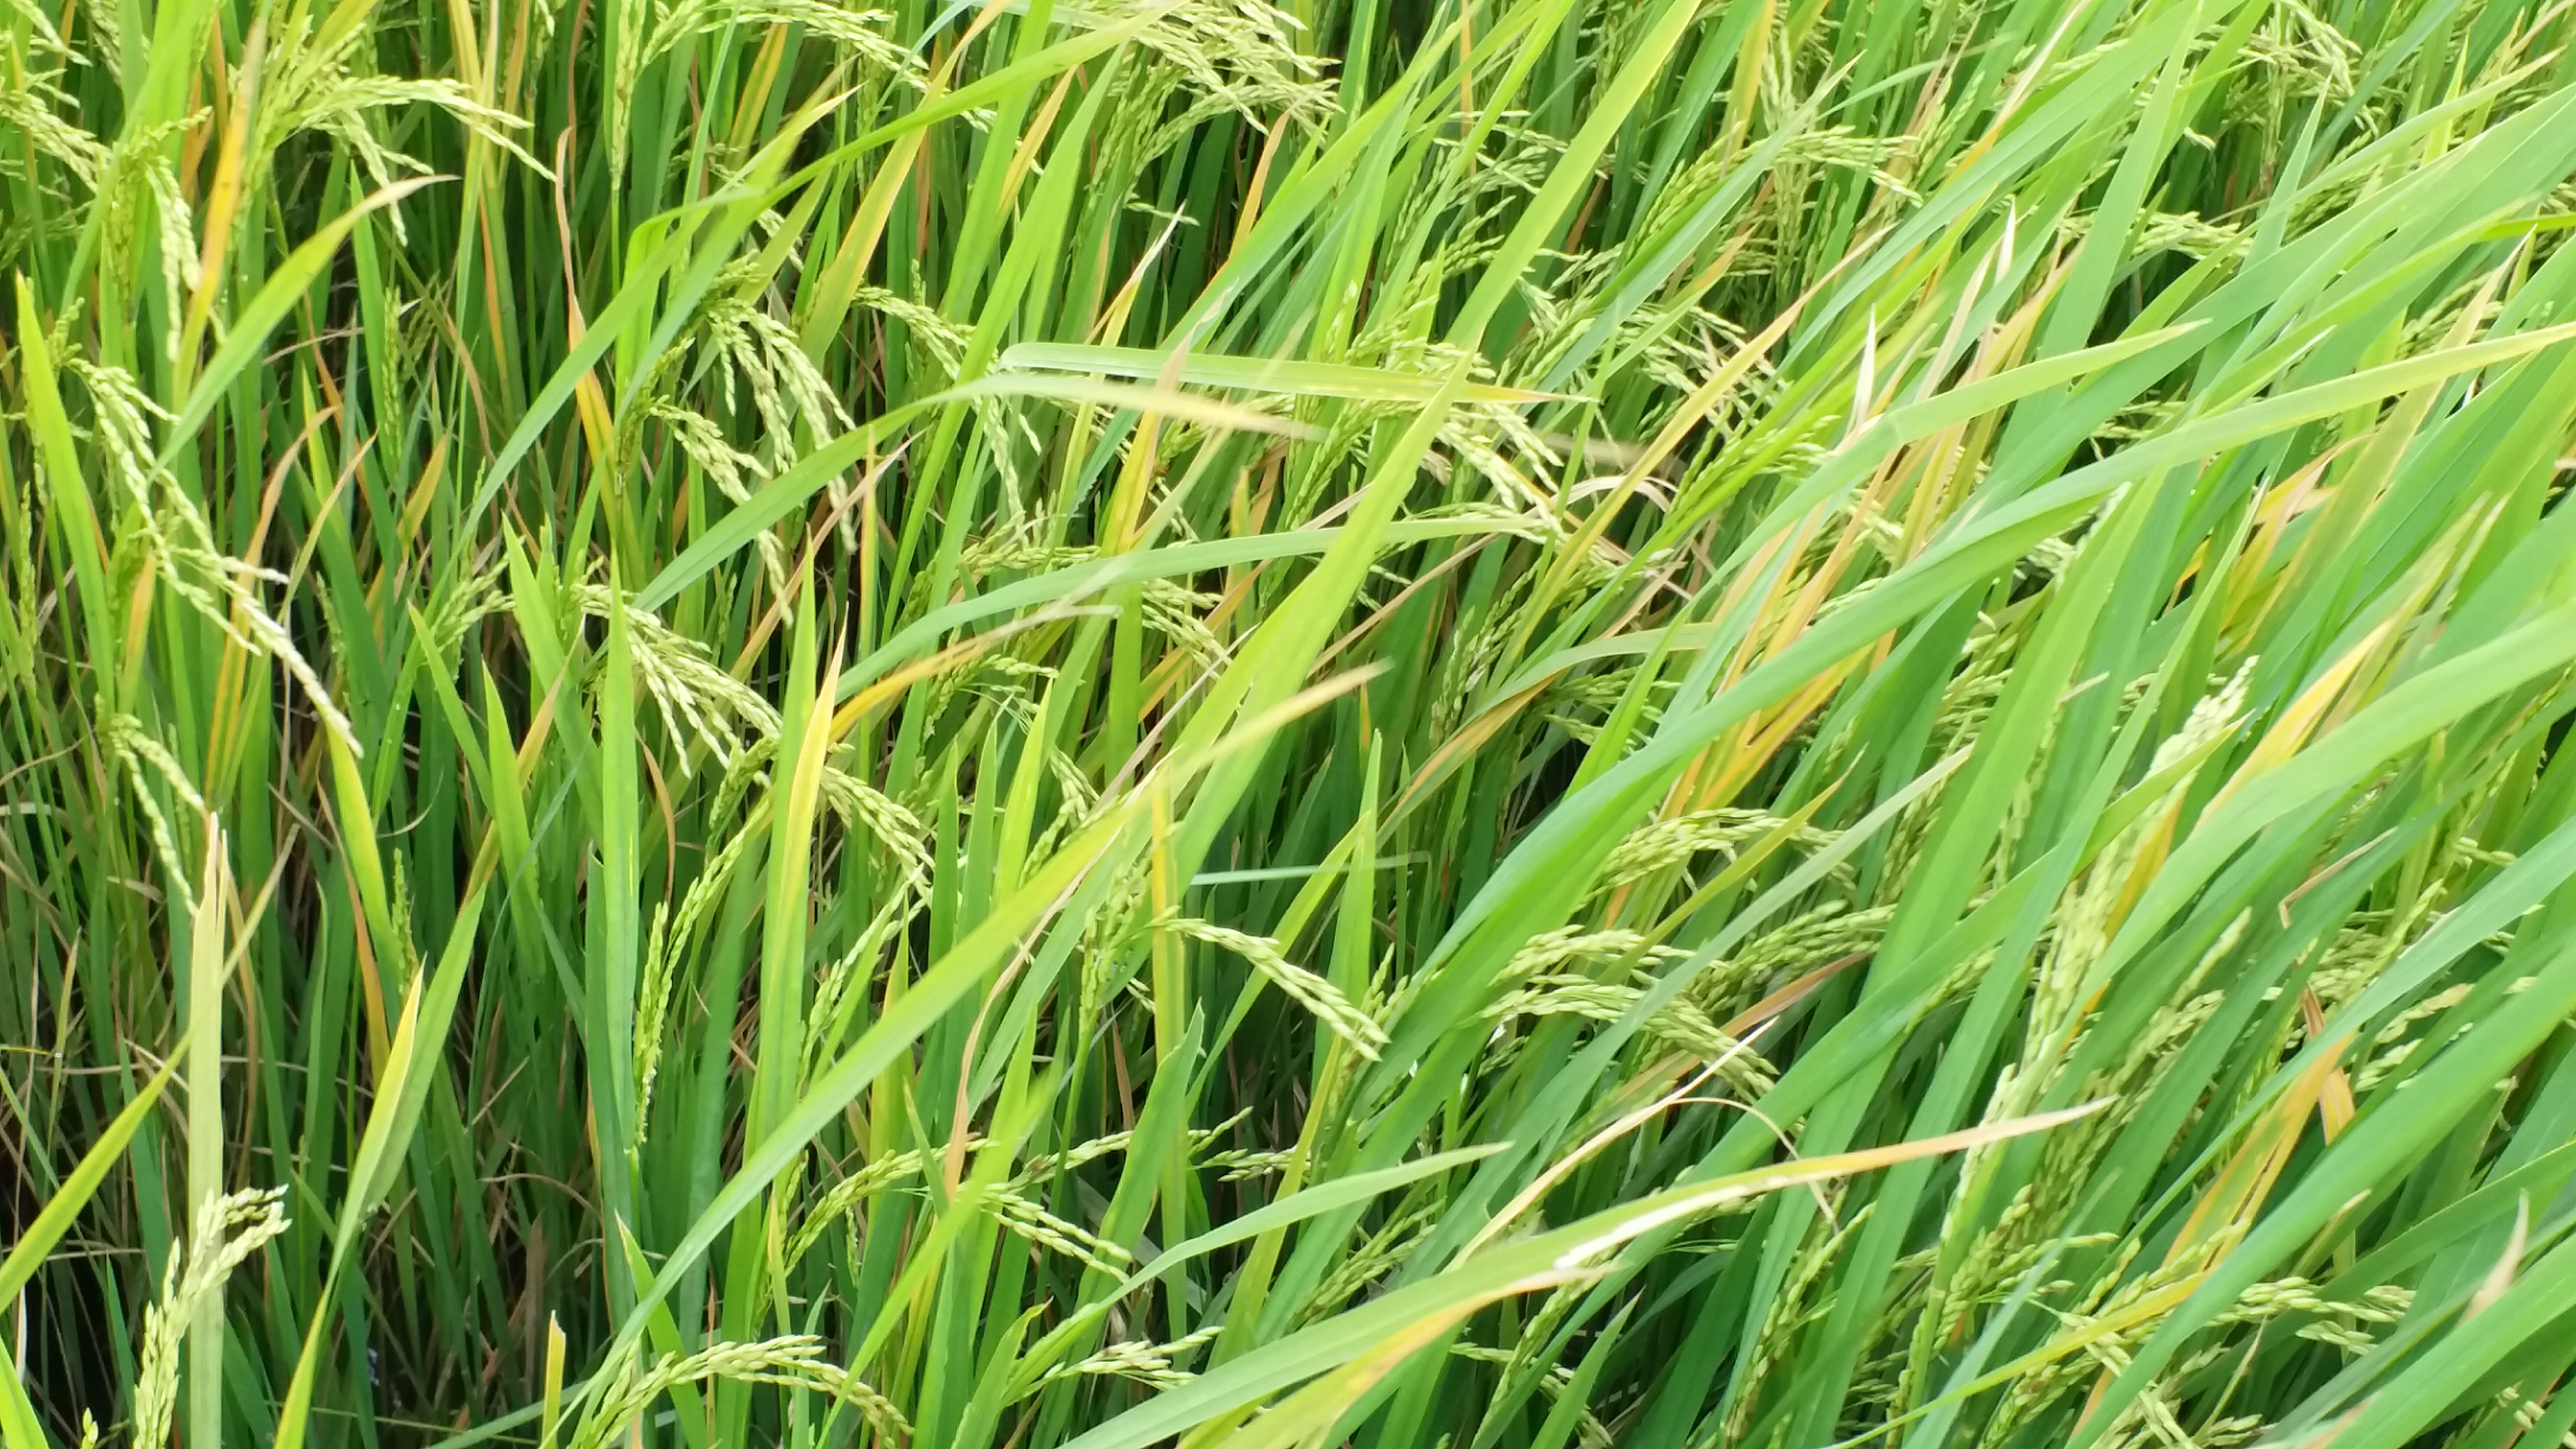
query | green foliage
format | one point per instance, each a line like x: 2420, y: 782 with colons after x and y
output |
x: 1493, y: 723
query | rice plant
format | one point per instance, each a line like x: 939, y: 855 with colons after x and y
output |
x: 1499, y: 724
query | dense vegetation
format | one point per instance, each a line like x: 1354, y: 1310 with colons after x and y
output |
x: 1492, y: 723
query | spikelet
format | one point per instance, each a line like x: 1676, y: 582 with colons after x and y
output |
x: 1319, y: 996
x: 932, y: 336
x: 897, y: 829
x: 311, y: 83
x: 179, y: 544
x: 789, y: 393
x: 229, y: 1228
x: 126, y: 739
x: 1155, y: 1365
x: 698, y: 700
x: 2304, y: 52
x: 1365, y: 1264
x: 1024, y: 1216
x: 1667, y: 843
x: 137, y: 184
x: 1169, y: 608
x: 647, y: 32
x: 729, y: 468
x: 1678, y: 1022
x: 2392, y: 1038
x: 1828, y: 933
x: 652, y: 1011
x: 2338, y: 1320
x: 734, y: 472
x: 33, y: 102
x: 40, y: 27
x: 1243, y: 1163
x: 834, y: 999
x: 794, y: 1361
x: 1551, y: 951
x: 841, y: 1197
x: 455, y: 611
